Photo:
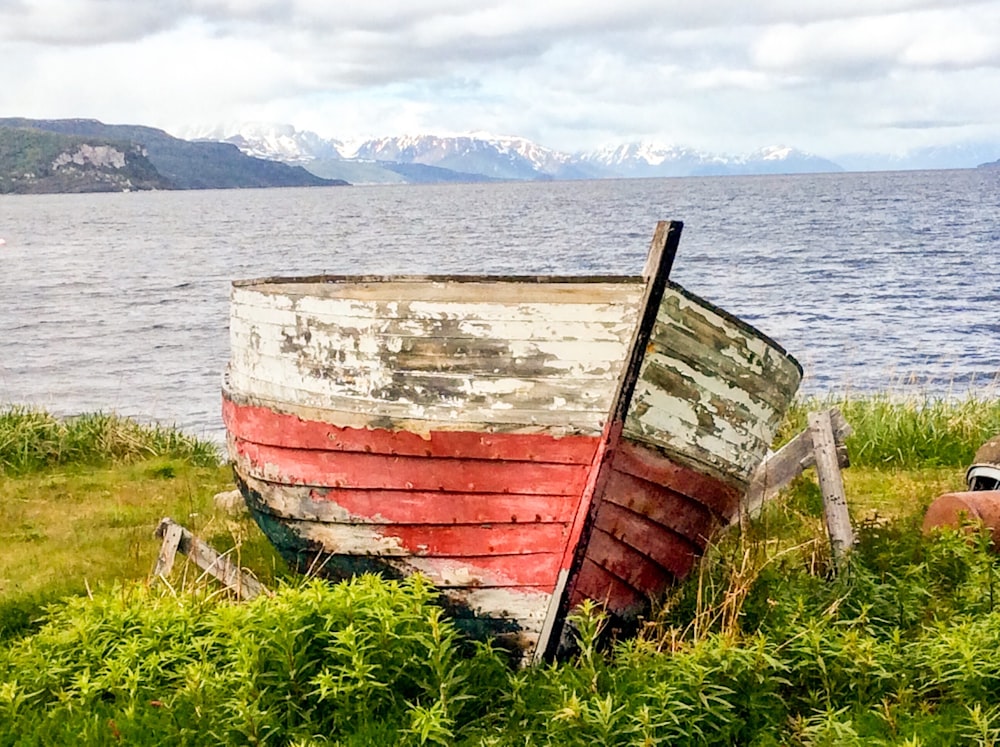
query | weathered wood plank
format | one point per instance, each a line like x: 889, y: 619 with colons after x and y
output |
x: 265, y: 426
x: 838, y: 519
x: 699, y: 333
x: 362, y: 348
x: 711, y: 390
x: 205, y: 557
x: 374, y: 283
x: 605, y: 326
x: 668, y: 510
x: 416, y: 289
x: 525, y: 604
x: 381, y: 472
x: 495, y: 414
x: 497, y: 302
x: 657, y: 544
x: 534, y: 571
x: 719, y: 497
x: 361, y: 413
x: 790, y: 461
x: 346, y: 505
x: 599, y: 583
x: 628, y: 564
x: 700, y: 416
x: 694, y: 436
x: 462, y: 390
x: 168, y: 550
x: 768, y: 386
x: 435, y: 540
x: 344, y: 360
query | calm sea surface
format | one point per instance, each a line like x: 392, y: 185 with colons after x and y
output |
x: 886, y: 281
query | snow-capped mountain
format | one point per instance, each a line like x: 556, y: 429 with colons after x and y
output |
x: 481, y: 156
x: 646, y: 159
x: 498, y: 157
x: 774, y: 159
x: 275, y: 141
x: 643, y: 159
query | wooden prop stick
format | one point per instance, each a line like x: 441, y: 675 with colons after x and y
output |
x: 838, y: 521
x: 790, y: 461
x: 177, y: 538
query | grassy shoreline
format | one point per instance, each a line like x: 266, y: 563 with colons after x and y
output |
x: 763, y: 646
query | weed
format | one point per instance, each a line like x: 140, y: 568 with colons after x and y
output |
x: 31, y: 440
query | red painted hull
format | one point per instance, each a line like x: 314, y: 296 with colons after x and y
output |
x: 471, y: 510
x: 499, y: 507
x: 651, y: 522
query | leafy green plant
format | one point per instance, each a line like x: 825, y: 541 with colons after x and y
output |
x: 764, y: 645
x: 368, y: 657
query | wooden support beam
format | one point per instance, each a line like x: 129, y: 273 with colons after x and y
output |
x: 171, y: 534
x: 790, y: 461
x: 838, y: 520
x: 177, y: 538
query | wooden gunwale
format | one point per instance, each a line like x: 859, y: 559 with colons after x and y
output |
x: 275, y: 280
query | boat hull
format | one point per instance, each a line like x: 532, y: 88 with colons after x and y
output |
x: 526, y: 443
x: 451, y: 433
x: 710, y: 395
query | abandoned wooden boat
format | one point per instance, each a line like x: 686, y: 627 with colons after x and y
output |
x: 525, y: 442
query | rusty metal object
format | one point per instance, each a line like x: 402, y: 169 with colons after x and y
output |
x: 955, y: 510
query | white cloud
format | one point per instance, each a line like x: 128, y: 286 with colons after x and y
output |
x: 721, y: 74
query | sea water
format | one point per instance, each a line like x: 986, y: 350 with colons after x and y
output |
x: 874, y: 281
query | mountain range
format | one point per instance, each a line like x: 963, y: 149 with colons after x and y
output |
x: 483, y: 157
x: 85, y: 155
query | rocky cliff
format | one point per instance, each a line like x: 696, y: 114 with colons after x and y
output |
x: 33, y: 162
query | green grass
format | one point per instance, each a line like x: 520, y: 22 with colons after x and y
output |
x: 80, y: 500
x: 763, y: 645
x: 31, y: 440
x: 908, y: 432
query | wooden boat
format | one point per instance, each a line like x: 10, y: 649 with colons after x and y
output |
x: 525, y: 442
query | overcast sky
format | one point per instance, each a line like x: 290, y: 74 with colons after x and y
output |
x: 827, y: 76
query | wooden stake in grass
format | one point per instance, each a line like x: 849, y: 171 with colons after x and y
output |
x: 177, y: 538
x: 838, y: 520
x: 776, y: 472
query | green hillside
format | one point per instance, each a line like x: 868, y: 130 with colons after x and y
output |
x: 33, y: 162
x: 174, y: 163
